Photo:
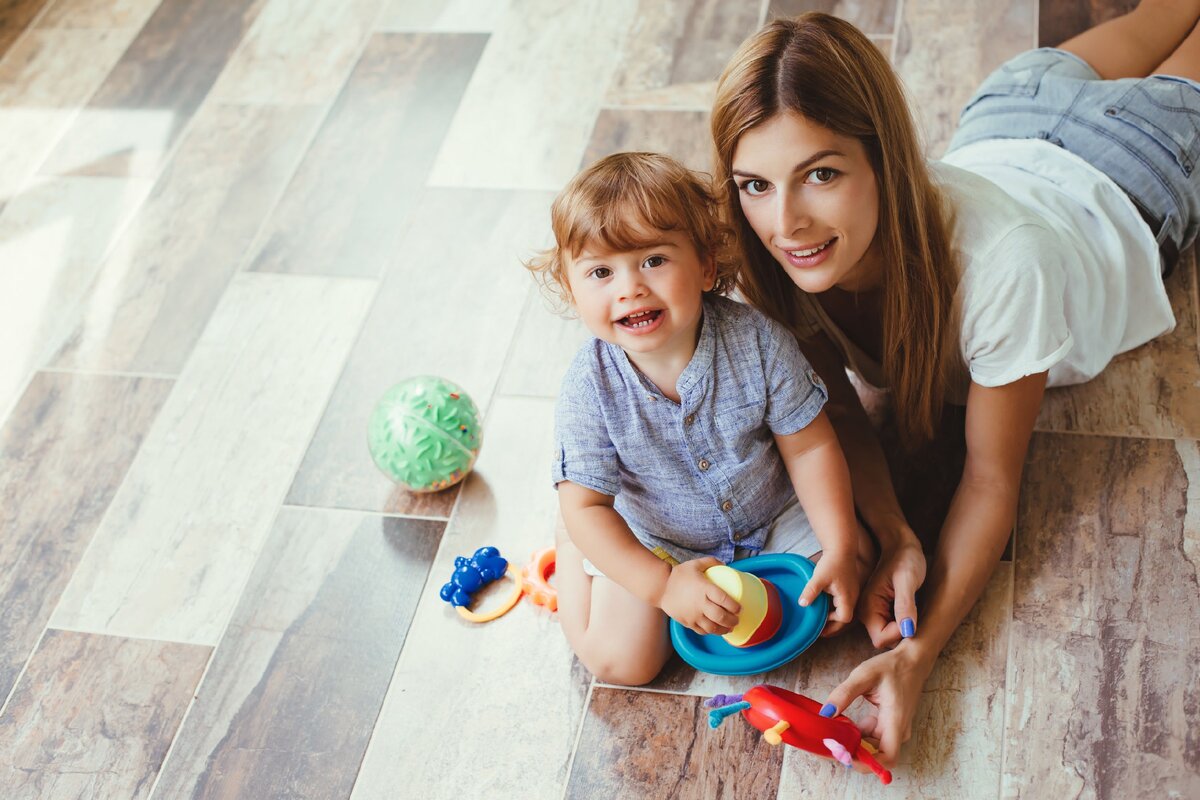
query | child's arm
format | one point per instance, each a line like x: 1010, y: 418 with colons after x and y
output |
x: 818, y: 471
x: 683, y: 592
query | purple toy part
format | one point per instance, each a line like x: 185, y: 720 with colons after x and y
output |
x: 471, y: 575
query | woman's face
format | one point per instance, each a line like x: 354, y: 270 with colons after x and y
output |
x: 812, y: 198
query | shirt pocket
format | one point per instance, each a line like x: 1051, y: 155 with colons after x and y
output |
x: 741, y: 422
x: 1158, y: 108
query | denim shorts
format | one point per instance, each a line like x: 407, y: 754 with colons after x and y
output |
x: 1143, y: 133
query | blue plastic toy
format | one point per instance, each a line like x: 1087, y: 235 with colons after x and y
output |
x: 471, y: 575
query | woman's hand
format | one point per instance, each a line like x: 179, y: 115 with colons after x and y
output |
x: 888, y: 605
x: 697, y: 603
x: 892, y: 681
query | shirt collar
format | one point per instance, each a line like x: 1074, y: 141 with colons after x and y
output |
x: 697, y: 368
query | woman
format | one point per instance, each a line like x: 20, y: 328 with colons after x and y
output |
x: 1029, y: 257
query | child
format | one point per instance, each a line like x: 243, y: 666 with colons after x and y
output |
x: 687, y: 428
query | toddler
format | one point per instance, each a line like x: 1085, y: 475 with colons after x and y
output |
x: 686, y: 430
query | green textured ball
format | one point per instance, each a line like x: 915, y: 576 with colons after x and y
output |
x: 425, y: 434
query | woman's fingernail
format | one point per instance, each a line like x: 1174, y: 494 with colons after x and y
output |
x: 828, y: 710
x: 907, y: 628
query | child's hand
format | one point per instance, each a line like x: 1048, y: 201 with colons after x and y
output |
x: 836, y: 573
x: 697, y: 603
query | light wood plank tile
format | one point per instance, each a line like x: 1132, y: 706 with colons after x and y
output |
x: 27, y: 135
x: 360, y: 182
x: 59, y: 68
x: 545, y: 83
x: 57, y: 478
x: 429, y: 319
x: 134, y: 118
x: 542, y: 350
x: 298, y: 51
x: 870, y: 16
x: 509, y: 689
x: 15, y: 17
x: 956, y: 747
x: 650, y: 745
x: 1153, y: 391
x: 93, y: 716
x: 940, y: 73
x: 455, y: 16
x: 182, y: 534
x: 53, y: 237
x: 1105, y: 688
x: 289, y: 701
x: 163, y: 278
x: 675, y: 51
x: 681, y: 134
x: 80, y: 14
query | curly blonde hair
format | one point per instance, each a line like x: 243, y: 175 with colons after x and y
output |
x: 613, y: 203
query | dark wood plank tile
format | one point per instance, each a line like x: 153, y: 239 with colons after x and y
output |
x: 63, y: 453
x: 352, y: 197
x: 135, y: 116
x: 93, y: 716
x: 681, y: 134
x: 15, y: 16
x: 648, y: 744
x: 1105, y: 658
x: 426, y: 320
x: 289, y: 702
x: 871, y: 16
x: 1059, y: 20
x: 162, y: 280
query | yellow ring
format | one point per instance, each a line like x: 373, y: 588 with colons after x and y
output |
x: 504, y: 607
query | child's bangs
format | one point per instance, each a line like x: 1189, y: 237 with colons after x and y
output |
x: 622, y: 224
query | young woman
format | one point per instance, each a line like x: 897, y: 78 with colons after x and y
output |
x: 1028, y: 257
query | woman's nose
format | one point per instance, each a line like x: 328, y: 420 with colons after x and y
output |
x: 793, y: 215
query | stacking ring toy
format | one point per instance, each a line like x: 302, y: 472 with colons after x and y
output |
x: 505, y: 606
x: 536, y: 575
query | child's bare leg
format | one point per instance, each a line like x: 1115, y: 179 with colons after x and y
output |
x: 1132, y: 45
x: 1185, y: 61
x: 617, y: 636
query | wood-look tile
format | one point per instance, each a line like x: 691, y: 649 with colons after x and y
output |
x: 57, y: 478
x: 1104, y: 688
x: 956, y: 749
x: 526, y: 115
x: 15, y: 17
x: 675, y: 51
x: 183, y: 531
x: 939, y: 72
x: 53, y: 237
x: 289, y: 701
x: 93, y: 716
x: 163, y: 278
x: 1059, y: 20
x: 542, y: 349
x: 97, y: 13
x: 449, y: 305
x: 681, y: 134
x: 136, y: 115
x: 27, y: 135
x: 298, y: 51
x: 59, y: 68
x: 361, y: 180
x: 649, y: 745
x: 1153, y: 391
x: 502, y: 701
x: 454, y: 16
x: 870, y: 16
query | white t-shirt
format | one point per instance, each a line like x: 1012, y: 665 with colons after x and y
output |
x: 1058, y: 271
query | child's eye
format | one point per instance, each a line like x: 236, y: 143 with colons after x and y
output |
x: 755, y: 186
x: 822, y: 175
x: 600, y: 272
x: 654, y: 261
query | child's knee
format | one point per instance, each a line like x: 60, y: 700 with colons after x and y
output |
x: 625, y: 669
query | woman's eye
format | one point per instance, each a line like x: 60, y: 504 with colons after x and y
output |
x: 654, y: 261
x: 755, y: 187
x: 822, y: 174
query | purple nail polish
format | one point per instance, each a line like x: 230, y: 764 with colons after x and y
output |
x: 828, y: 710
x: 907, y: 628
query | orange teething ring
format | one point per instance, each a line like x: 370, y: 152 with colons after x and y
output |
x: 504, y: 607
x: 537, y: 573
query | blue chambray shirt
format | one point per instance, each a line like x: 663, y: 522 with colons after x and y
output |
x: 701, y: 477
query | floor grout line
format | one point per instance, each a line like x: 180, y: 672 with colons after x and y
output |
x: 587, y: 703
x: 21, y: 674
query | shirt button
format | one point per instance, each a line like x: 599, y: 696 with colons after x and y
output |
x: 727, y: 505
x: 703, y: 464
x: 689, y: 419
x: 737, y: 537
x: 651, y: 397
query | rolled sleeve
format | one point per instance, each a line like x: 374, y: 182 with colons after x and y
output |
x: 796, y: 394
x: 584, y: 453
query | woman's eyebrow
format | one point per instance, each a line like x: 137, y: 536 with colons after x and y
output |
x: 806, y: 163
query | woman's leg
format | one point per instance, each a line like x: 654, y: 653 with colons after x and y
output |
x: 1185, y: 61
x: 617, y: 636
x: 1134, y: 44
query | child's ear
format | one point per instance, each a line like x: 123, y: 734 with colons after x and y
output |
x: 710, y: 273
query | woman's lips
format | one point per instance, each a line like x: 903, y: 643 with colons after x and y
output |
x: 805, y: 262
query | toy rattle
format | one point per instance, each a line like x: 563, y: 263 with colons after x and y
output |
x: 794, y: 719
x: 487, y: 565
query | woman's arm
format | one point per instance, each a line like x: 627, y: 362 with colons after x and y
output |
x: 999, y: 424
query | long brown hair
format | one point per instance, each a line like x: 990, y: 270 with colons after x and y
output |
x: 827, y: 71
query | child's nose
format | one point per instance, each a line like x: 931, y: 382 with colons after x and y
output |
x: 632, y: 285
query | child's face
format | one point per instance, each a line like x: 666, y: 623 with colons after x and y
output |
x: 646, y: 300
